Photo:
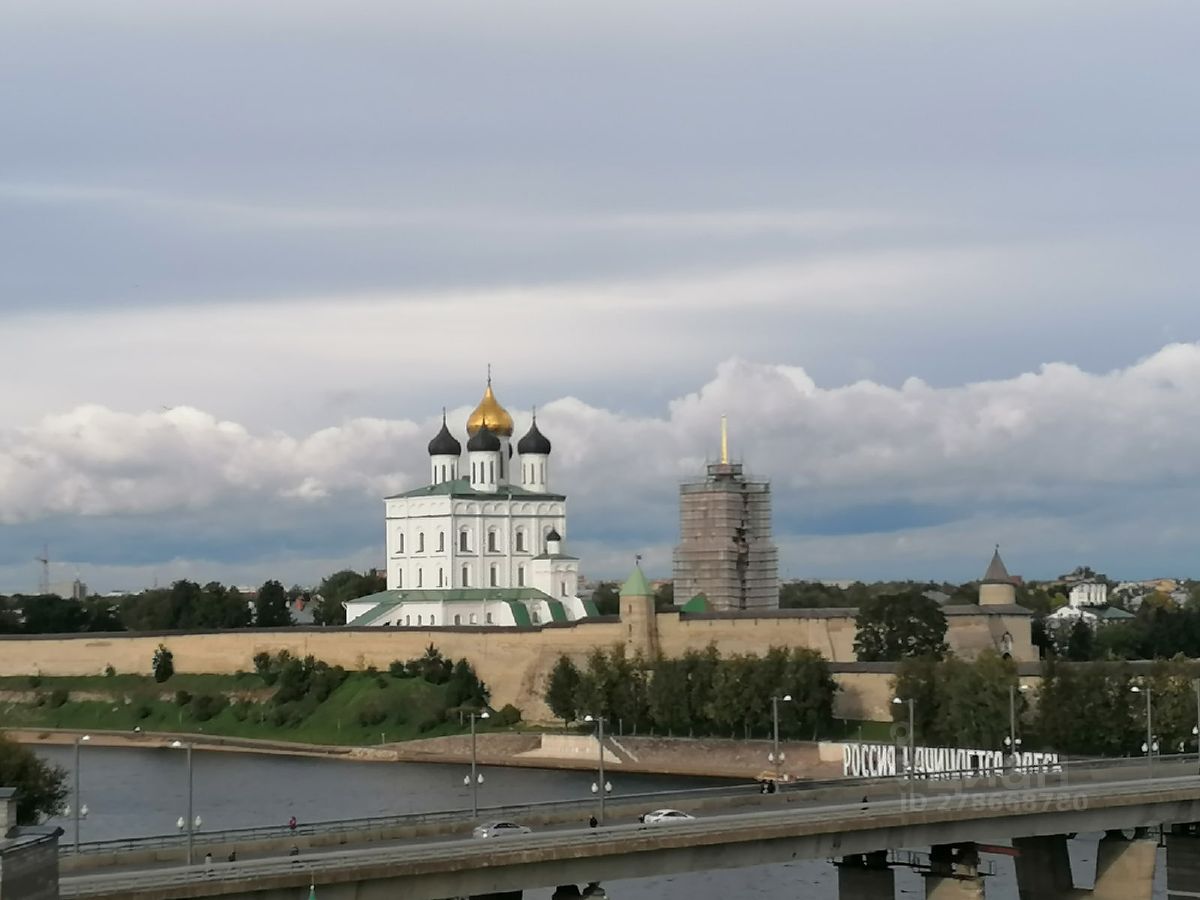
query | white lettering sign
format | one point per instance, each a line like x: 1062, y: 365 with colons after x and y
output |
x: 886, y: 760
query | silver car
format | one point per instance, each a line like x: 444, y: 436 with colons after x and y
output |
x: 500, y: 829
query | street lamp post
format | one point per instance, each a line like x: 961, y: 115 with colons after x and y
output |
x: 602, y: 787
x: 1196, y: 730
x: 79, y: 810
x: 776, y: 757
x: 1149, y: 745
x: 912, y: 753
x: 191, y: 823
x: 1013, y: 742
x: 475, y: 779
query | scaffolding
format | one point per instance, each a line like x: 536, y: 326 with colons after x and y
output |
x: 725, y: 550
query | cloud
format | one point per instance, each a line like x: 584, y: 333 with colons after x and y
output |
x: 867, y: 478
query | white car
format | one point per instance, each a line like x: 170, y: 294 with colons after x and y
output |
x: 664, y: 815
x: 500, y: 829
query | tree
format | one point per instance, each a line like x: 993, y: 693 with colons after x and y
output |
x: 41, y: 787
x: 664, y: 596
x: 1079, y: 644
x: 163, y: 664
x: 561, y: 688
x: 270, y: 607
x: 607, y: 597
x: 51, y: 614
x: 339, y: 588
x: 893, y: 627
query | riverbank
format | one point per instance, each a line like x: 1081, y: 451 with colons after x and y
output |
x: 644, y: 755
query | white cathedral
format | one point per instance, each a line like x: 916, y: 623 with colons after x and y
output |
x: 482, y: 547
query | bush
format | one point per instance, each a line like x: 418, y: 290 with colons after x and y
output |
x: 241, y: 710
x: 183, y: 698
x: 371, y: 713
x: 109, y: 671
x: 57, y: 698
x: 35, y: 681
x: 163, y: 664
x: 507, y: 717
x: 283, y: 716
x: 262, y: 665
x: 205, y: 706
x: 397, y: 669
x: 428, y: 725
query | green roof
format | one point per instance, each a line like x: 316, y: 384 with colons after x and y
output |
x: 699, y: 603
x: 461, y: 487
x: 557, y: 613
x: 589, y: 607
x: 636, y: 586
x: 385, y: 601
x: 520, y: 614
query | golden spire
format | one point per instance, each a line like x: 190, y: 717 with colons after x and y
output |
x: 489, y: 412
x: 724, y: 441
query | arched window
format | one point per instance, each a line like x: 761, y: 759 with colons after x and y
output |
x: 441, y: 542
x: 420, y: 542
x: 474, y: 620
x: 457, y: 619
x: 399, y: 579
x: 489, y: 618
x: 491, y: 540
x: 441, y: 577
x: 519, y: 538
x: 520, y: 576
x: 491, y: 472
x: 537, y: 617
x: 494, y: 575
x: 400, y: 542
x: 432, y: 619
x: 407, y: 621
x: 563, y: 588
x: 418, y: 618
x: 420, y: 576
x: 463, y: 541
x: 466, y: 573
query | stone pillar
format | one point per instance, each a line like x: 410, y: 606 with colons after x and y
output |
x: 953, y: 873
x: 1124, y: 868
x: 1183, y: 864
x: 1043, y: 868
x: 866, y: 877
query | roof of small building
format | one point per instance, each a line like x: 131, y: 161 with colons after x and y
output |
x: 636, y: 585
x: 996, y: 572
x: 386, y: 601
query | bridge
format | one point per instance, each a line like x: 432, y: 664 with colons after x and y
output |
x: 953, y: 822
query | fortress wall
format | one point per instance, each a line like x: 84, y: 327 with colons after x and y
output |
x: 513, y: 663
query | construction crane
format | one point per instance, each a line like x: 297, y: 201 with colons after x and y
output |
x: 44, y: 580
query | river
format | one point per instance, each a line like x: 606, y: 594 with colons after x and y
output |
x: 133, y: 793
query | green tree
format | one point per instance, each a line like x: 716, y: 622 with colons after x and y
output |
x: 51, y: 614
x: 1079, y: 644
x: 270, y: 607
x: 561, y: 688
x: 341, y: 587
x: 607, y: 597
x: 163, y: 664
x: 41, y: 787
x: 664, y: 596
x: 892, y: 627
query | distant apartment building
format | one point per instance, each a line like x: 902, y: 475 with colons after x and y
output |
x: 725, y: 550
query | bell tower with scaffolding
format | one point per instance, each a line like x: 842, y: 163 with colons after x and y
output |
x: 725, y: 550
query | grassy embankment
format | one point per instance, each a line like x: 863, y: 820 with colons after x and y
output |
x: 350, y: 714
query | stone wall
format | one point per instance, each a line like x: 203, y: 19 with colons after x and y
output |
x: 514, y: 663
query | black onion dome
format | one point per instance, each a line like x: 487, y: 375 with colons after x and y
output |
x: 444, y: 443
x: 553, y: 535
x: 534, y: 441
x: 484, y: 440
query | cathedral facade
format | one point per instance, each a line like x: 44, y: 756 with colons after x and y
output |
x: 482, y: 542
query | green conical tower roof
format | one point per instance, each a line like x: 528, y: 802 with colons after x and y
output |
x: 636, y: 585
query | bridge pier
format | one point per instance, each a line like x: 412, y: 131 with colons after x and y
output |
x: 1043, y: 868
x: 866, y: 876
x: 953, y: 873
x: 1183, y: 863
x: 1125, y: 868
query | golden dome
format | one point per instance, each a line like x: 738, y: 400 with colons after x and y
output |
x: 489, y: 412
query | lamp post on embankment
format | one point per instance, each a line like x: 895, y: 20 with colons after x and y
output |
x: 475, y: 779
x: 601, y: 787
x: 1148, y: 746
x: 912, y: 759
x: 79, y: 809
x: 192, y: 822
x: 775, y: 756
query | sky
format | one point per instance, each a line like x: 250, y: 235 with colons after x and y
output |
x: 935, y: 261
